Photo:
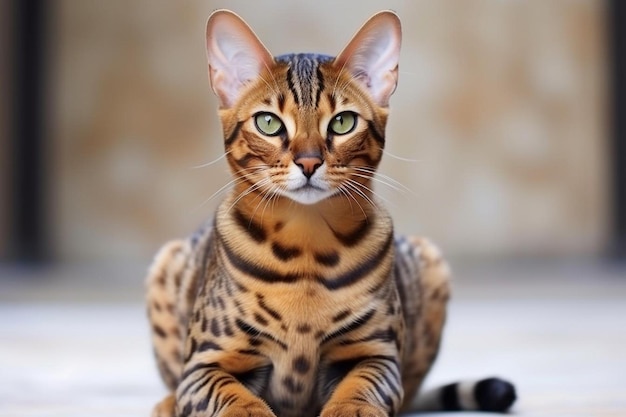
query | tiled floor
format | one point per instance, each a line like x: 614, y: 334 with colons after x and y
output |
x: 73, y: 341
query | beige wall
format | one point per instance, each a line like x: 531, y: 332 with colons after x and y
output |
x: 501, y: 105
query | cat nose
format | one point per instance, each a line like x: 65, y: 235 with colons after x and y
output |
x: 308, y: 164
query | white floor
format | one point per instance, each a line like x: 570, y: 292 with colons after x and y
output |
x: 73, y: 347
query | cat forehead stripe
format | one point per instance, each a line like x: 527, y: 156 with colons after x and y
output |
x: 304, y: 78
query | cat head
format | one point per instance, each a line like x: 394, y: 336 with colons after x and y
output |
x: 308, y: 127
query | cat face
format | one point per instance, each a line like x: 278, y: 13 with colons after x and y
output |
x: 303, y: 126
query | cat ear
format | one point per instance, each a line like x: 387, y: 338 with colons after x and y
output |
x: 235, y: 55
x: 372, y: 55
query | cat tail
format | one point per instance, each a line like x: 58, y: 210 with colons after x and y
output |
x: 489, y: 394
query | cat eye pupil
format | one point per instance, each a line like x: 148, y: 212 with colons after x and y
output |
x: 268, y: 124
x: 343, y: 123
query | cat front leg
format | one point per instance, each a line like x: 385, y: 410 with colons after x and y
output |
x: 372, y: 388
x: 206, y: 390
x: 166, y: 407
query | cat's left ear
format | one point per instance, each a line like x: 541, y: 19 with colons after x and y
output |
x: 372, y: 55
x: 235, y: 54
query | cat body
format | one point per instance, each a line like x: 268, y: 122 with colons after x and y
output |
x: 297, y: 299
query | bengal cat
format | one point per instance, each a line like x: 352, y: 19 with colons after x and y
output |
x: 297, y: 300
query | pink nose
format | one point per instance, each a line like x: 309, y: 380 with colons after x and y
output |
x: 308, y: 164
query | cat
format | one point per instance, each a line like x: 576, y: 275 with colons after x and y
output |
x: 297, y: 299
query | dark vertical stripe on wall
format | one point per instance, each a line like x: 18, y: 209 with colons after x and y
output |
x: 617, y: 20
x: 28, y: 224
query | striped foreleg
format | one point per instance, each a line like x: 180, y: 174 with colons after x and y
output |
x: 372, y: 388
x: 207, y: 390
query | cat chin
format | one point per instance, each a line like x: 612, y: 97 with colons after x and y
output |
x: 308, y: 195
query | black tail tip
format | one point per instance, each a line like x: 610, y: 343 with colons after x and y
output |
x: 494, y: 394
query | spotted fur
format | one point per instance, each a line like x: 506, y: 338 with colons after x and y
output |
x: 299, y: 300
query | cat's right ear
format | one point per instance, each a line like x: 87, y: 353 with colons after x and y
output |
x: 235, y: 55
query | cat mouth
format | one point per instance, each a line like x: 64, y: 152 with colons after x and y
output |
x: 308, y: 194
x: 309, y: 187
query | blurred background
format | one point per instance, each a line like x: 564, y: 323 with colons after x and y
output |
x: 507, y: 126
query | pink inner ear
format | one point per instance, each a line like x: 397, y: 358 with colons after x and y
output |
x: 235, y: 55
x: 372, y: 55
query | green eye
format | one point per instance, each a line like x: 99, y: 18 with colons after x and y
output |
x: 269, y: 124
x: 343, y: 123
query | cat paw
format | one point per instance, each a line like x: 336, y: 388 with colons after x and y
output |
x: 165, y: 408
x: 353, y: 409
x: 251, y: 410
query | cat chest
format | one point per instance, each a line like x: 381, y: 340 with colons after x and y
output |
x: 306, y: 254
x: 309, y: 355
x: 292, y: 334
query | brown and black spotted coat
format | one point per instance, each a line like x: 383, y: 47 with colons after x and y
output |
x: 288, y: 309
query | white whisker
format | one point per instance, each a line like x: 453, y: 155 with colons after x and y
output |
x: 223, y: 188
x: 354, y: 186
x: 268, y: 84
x: 399, y: 158
x: 345, y: 85
x: 212, y: 162
x: 349, y: 194
x: 402, y: 189
x: 276, y: 88
x: 343, y: 67
x: 344, y: 193
x: 262, y: 196
x: 248, y: 191
x: 273, y: 197
x: 374, y: 174
x: 271, y: 192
